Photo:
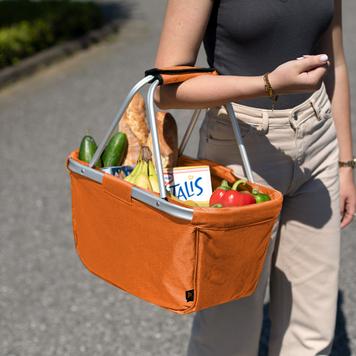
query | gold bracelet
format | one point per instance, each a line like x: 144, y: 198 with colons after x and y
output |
x: 269, y: 90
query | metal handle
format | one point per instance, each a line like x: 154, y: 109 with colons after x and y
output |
x: 155, y: 141
x: 237, y: 133
x: 239, y: 140
x: 188, y: 131
x: 193, y: 121
x: 118, y: 116
x: 153, y: 128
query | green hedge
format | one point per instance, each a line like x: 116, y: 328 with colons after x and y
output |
x: 27, y: 27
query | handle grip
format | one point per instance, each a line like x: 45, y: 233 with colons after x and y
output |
x: 179, y: 74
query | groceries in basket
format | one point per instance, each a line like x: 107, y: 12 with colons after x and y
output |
x: 87, y: 150
x: 118, y: 171
x: 113, y: 154
x: 144, y: 174
x: 239, y: 194
x: 189, y: 184
x: 134, y: 125
x: 128, y: 156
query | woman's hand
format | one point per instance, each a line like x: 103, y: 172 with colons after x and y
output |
x: 299, y: 76
x: 347, y: 196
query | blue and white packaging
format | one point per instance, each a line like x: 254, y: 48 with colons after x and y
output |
x: 189, y: 183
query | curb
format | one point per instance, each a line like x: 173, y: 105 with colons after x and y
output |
x: 46, y: 57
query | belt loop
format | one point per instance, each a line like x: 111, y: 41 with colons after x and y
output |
x: 293, y: 117
x: 265, y: 121
x: 316, y: 109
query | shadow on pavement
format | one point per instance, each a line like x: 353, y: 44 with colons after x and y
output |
x: 341, y: 345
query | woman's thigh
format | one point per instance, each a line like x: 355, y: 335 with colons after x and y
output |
x: 301, y: 162
x: 304, y: 274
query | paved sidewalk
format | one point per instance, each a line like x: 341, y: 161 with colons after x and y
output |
x: 49, y: 304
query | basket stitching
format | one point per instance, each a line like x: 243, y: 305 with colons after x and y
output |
x: 236, y: 226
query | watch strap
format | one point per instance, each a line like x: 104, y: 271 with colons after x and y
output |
x: 351, y: 163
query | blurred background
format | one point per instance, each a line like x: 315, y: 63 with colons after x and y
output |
x: 49, y: 303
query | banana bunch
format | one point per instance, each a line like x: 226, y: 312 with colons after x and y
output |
x: 144, y: 174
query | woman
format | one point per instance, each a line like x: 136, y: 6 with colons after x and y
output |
x: 295, y: 148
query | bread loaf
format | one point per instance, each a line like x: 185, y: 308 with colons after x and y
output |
x: 133, y: 124
x: 168, y: 139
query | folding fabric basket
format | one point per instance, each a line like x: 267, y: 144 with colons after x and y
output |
x: 182, y: 259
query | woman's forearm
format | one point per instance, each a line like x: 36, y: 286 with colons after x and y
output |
x: 295, y: 76
x: 339, y: 92
x: 208, y: 91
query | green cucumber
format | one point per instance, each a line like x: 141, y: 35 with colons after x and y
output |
x: 115, y: 151
x: 87, y: 149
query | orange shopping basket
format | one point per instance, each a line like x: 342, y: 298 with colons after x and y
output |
x: 182, y: 259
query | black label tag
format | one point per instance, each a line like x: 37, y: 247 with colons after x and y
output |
x: 189, y: 295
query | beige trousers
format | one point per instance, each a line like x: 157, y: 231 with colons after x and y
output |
x: 295, y: 151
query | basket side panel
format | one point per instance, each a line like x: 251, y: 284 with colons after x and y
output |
x: 133, y: 246
x: 231, y: 262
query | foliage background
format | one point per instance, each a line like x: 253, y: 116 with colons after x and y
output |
x: 27, y: 27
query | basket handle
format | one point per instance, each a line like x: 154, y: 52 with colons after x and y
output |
x: 164, y: 76
x: 158, y: 77
x: 178, y: 74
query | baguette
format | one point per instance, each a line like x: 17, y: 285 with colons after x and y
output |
x: 133, y: 124
x: 168, y: 139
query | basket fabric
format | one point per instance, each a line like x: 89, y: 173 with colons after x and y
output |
x: 176, y: 264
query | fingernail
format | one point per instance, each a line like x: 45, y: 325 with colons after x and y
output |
x: 324, y: 58
x: 299, y: 58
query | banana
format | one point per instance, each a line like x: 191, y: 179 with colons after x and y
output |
x: 131, y: 177
x: 144, y: 174
x: 153, y: 177
x: 142, y: 180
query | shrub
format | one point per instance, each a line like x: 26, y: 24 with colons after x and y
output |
x: 27, y: 27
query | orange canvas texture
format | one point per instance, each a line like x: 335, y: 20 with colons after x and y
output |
x: 176, y: 264
x: 179, y: 77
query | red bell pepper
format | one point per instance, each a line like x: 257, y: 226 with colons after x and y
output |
x: 235, y: 198
x: 219, y: 193
x: 230, y: 197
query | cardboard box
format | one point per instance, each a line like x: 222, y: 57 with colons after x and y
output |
x: 189, y: 183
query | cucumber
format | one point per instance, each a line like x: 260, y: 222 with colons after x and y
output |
x: 87, y: 149
x: 115, y: 151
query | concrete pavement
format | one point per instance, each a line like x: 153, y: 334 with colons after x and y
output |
x: 49, y: 304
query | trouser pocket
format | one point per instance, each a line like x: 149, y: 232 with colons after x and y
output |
x: 217, y: 139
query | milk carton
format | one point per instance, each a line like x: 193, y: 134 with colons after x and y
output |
x: 189, y: 183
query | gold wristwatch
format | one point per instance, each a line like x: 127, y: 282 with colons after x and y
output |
x: 351, y: 163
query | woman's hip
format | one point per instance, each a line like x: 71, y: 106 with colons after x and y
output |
x: 281, y: 141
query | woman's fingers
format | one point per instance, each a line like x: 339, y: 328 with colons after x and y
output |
x: 347, y: 210
x: 299, y: 76
x: 313, y: 77
x: 310, y: 62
